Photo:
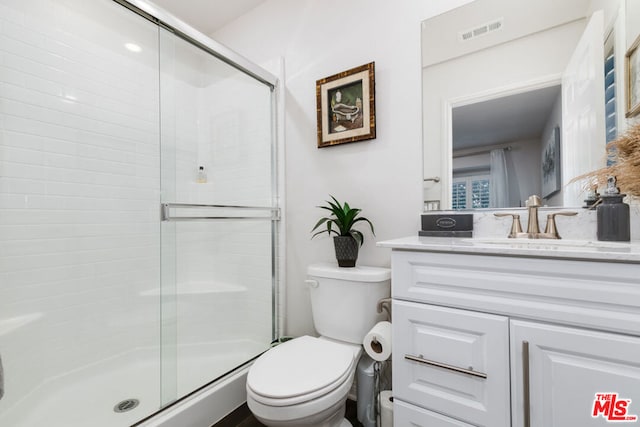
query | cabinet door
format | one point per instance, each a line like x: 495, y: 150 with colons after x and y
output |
x: 440, y: 359
x: 570, y: 377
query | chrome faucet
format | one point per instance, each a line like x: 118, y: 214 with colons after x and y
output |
x: 533, y: 226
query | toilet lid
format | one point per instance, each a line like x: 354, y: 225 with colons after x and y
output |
x: 300, y: 367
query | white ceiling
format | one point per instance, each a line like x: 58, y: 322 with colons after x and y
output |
x: 207, y: 16
x: 512, y: 118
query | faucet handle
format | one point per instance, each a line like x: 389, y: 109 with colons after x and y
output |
x: 551, y: 229
x: 516, y: 227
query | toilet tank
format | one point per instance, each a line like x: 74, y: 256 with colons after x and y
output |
x: 344, y: 300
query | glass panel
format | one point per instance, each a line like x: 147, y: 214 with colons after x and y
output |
x: 610, y: 101
x: 459, y: 195
x: 217, y: 274
x: 223, y: 298
x: 610, y: 97
x: 79, y: 225
x: 471, y: 189
x: 480, y: 193
x: 215, y: 117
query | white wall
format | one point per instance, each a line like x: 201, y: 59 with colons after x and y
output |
x: 632, y: 21
x: 381, y: 176
x: 524, y: 166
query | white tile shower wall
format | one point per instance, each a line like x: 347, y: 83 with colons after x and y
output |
x: 79, y: 188
x: 226, y: 128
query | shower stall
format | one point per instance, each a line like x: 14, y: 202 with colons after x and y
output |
x: 138, y: 212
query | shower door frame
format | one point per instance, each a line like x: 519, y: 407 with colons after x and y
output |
x: 181, y: 29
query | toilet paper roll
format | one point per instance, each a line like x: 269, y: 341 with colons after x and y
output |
x: 386, y: 409
x: 377, y: 342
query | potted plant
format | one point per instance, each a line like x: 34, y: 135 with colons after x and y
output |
x: 341, y: 221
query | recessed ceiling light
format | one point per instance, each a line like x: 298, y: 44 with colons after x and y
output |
x: 133, y: 47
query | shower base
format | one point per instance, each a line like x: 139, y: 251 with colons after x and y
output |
x: 88, y: 395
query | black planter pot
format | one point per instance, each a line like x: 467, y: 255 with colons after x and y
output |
x: 346, y: 250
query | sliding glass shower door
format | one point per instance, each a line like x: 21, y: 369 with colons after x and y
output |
x: 218, y: 211
x: 128, y: 279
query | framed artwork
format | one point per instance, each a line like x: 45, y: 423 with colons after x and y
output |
x: 346, y: 106
x: 551, y: 177
x: 632, y: 85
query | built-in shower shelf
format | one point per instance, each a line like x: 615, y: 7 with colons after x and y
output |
x: 197, y: 288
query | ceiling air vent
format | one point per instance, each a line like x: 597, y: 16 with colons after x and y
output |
x: 481, y: 30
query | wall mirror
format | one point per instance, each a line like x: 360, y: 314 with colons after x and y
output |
x: 514, y: 95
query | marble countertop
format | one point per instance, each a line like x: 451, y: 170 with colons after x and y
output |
x: 592, y: 250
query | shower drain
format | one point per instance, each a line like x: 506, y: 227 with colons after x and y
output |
x: 126, y: 405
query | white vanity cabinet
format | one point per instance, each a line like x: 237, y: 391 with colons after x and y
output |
x: 496, y: 340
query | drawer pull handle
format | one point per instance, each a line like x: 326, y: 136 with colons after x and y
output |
x: 471, y: 372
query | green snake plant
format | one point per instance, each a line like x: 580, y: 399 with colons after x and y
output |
x: 341, y: 221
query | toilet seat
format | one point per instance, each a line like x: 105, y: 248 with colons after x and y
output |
x: 300, y: 370
x: 312, y: 411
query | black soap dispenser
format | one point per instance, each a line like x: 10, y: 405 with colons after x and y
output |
x: 613, y: 215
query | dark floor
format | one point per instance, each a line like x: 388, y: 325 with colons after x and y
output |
x: 242, y: 417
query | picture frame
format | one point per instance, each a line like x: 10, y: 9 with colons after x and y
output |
x: 346, y: 106
x: 551, y: 173
x: 632, y: 76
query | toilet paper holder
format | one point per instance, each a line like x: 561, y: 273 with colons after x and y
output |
x: 385, y: 304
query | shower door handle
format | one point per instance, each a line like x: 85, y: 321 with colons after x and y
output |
x: 228, y: 212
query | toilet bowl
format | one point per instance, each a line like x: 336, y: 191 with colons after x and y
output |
x: 306, y: 381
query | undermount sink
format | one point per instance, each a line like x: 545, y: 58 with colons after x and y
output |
x: 549, y: 243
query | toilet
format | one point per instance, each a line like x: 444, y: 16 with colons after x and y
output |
x: 306, y: 381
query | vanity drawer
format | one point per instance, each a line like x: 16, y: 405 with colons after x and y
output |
x: 405, y: 414
x: 452, y: 361
x: 586, y: 294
